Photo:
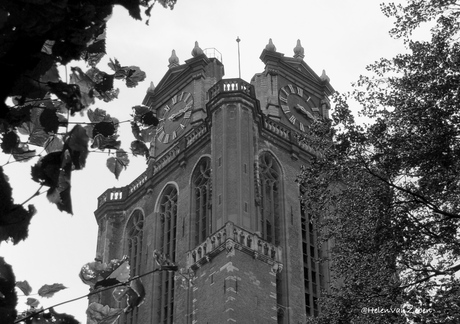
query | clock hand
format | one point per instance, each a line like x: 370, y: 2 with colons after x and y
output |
x: 301, y: 109
x: 177, y: 115
x: 187, y: 107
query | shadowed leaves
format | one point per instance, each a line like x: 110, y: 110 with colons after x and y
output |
x: 14, y: 219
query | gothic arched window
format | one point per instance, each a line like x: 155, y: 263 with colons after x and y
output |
x: 168, y: 217
x: 270, y: 183
x: 201, y: 203
x: 134, y: 235
x: 313, y: 271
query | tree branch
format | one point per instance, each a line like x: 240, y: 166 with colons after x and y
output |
x: 95, y: 292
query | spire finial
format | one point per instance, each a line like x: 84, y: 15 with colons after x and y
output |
x: 324, y: 77
x: 270, y: 46
x: 151, y: 87
x: 173, y: 60
x: 196, y: 51
x: 299, y: 51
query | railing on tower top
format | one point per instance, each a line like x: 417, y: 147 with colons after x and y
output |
x: 231, y: 85
x: 212, y: 52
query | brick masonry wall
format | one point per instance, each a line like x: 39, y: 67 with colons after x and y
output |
x: 234, y: 288
x: 292, y: 274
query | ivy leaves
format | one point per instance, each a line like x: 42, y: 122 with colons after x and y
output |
x: 143, y: 129
x: 54, y: 169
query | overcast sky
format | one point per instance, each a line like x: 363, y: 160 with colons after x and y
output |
x: 339, y: 36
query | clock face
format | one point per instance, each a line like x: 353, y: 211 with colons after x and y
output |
x: 297, y: 106
x: 174, y: 117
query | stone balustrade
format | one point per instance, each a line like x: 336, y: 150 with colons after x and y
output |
x: 195, y: 135
x: 166, y: 158
x: 113, y: 194
x: 232, y: 237
x: 231, y: 85
x: 276, y: 128
x: 137, y: 183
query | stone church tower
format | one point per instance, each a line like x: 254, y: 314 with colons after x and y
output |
x: 219, y: 197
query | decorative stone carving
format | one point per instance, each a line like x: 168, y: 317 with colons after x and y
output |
x: 230, y: 247
x: 270, y: 46
x: 173, y: 60
x: 277, y: 267
x: 197, y: 50
x: 299, y: 51
x: 324, y: 77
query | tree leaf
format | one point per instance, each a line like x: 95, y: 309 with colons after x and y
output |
x: 149, y: 119
x: 138, y: 298
x: 53, y: 144
x: 93, y: 272
x: 33, y: 128
x: 24, y: 286
x: 14, y: 219
x: 134, y: 294
x: 14, y: 224
x: 100, y: 314
x: 98, y: 115
x: 60, y: 194
x: 134, y: 76
x: 104, y: 128
x: 46, y: 171
x: 9, y: 299
x: 38, y: 137
x: 139, y: 148
x: 32, y: 302
x: 131, y: 74
x: 101, y: 142
x: 120, y: 292
x: 49, y: 120
x: 69, y: 94
x: 22, y: 153
x: 105, y: 82
x: 121, y: 273
x: 77, y: 145
x: 85, y: 84
x: 140, y: 110
x: 48, y: 291
x: 10, y: 141
x: 118, y: 163
x: 53, y: 317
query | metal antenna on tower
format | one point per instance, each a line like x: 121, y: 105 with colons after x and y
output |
x: 239, y: 66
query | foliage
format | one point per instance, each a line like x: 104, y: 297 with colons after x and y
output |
x: 8, y: 297
x: 37, y: 38
x: 14, y: 219
x: 101, y: 277
x: 35, y: 104
x: 397, y: 178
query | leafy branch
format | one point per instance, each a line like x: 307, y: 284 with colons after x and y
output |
x: 97, y: 291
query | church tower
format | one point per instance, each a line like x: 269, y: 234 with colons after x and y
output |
x: 219, y: 197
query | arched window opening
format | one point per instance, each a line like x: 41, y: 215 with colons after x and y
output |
x: 134, y: 236
x: 313, y: 271
x: 168, y: 217
x: 270, y: 198
x: 201, y: 204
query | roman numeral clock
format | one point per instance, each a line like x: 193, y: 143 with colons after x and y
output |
x: 174, y: 118
x: 297, y: 106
